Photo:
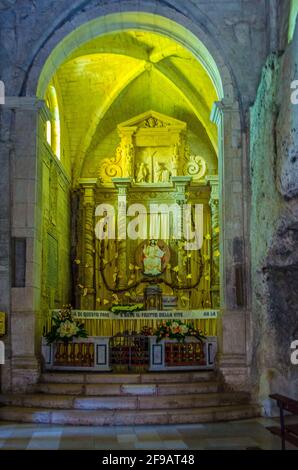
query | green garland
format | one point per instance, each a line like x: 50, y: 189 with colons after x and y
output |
x: 118, y: 309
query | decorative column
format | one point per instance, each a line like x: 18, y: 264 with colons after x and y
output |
x: 181, y: 184
x: 88, y: 247
x: 122, y: 185
x: 215, y: 251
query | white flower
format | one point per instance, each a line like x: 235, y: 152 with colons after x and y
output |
x: 67, y: 329
x: 184, y: 329
x: 175, y: 325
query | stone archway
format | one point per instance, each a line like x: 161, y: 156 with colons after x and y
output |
x: 233, y: 173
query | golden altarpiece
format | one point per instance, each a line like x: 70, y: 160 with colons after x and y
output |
x: 152, y: 165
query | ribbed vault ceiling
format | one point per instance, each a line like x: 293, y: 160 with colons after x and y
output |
x: 117, y: 76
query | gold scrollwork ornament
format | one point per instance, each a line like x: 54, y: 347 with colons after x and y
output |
x: 111, y: 167
x: 195, y: 167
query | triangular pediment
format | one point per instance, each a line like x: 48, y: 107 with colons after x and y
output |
x: 150, y: 120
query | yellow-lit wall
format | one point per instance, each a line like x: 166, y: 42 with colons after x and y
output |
x: 56, y: 218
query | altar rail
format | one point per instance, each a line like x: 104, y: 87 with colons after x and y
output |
x: 129, y: 351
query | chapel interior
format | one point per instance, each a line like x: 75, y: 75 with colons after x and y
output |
x: 107, y: 149
x: 148, y: 212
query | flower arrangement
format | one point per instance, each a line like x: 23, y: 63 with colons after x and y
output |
x: 146, y: 331
x: 177, y: 330
x: 65, y: 327
x: 118, y: 309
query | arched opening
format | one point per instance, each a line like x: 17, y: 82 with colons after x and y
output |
x: 114, y: 76
x: 143, y: 90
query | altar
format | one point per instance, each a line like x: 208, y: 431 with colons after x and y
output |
x: 145, y: 249
x: 131, y: 342
x: 149, y: 217
x: 107, y: 323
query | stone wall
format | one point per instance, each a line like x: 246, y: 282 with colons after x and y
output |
x: 5, y: 268
x: 274, y: 226
x: 239, y: 29
x: 56, y: 219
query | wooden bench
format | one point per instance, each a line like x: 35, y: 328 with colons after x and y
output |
x: 287, y: 432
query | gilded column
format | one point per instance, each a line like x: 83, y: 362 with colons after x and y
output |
x: 181, y: 184
x: 88, y: 252
x: 215, y: 253
x: 122, y: 185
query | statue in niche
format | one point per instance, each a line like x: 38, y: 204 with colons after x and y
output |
x: 143, y: 173
x: 175, y: 160
x: 129, y: 151
x: 153, y: 257
x: 162, y: 173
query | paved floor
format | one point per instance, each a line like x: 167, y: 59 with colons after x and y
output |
x: 234, y: 435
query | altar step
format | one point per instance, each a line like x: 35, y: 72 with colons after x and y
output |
x: 124, y: 402
x: 131, y: 417
x: 147, y: 377
x: 127, y: 399
x: 127, y: 389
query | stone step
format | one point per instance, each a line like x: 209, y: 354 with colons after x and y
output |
x: 127, y: 389
x: 128, y: 417
x: 148, y: 377
x: 124, y: 402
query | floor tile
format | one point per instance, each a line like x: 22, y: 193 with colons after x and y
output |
x: 232, y: 435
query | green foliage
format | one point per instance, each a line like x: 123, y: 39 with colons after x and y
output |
x: 118, y: 309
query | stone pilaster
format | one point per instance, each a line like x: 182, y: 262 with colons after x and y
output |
x: 29, y: 115
x: 233, y: 243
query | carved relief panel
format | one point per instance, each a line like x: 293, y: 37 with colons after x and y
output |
x: 153, y: 148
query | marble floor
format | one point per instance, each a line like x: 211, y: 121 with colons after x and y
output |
x: 238, y: 435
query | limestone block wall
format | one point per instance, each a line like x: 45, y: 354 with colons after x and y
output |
x: 274, y: 226
x: 5, y: 268
x: 240, y: 29
x: 56, y: 219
